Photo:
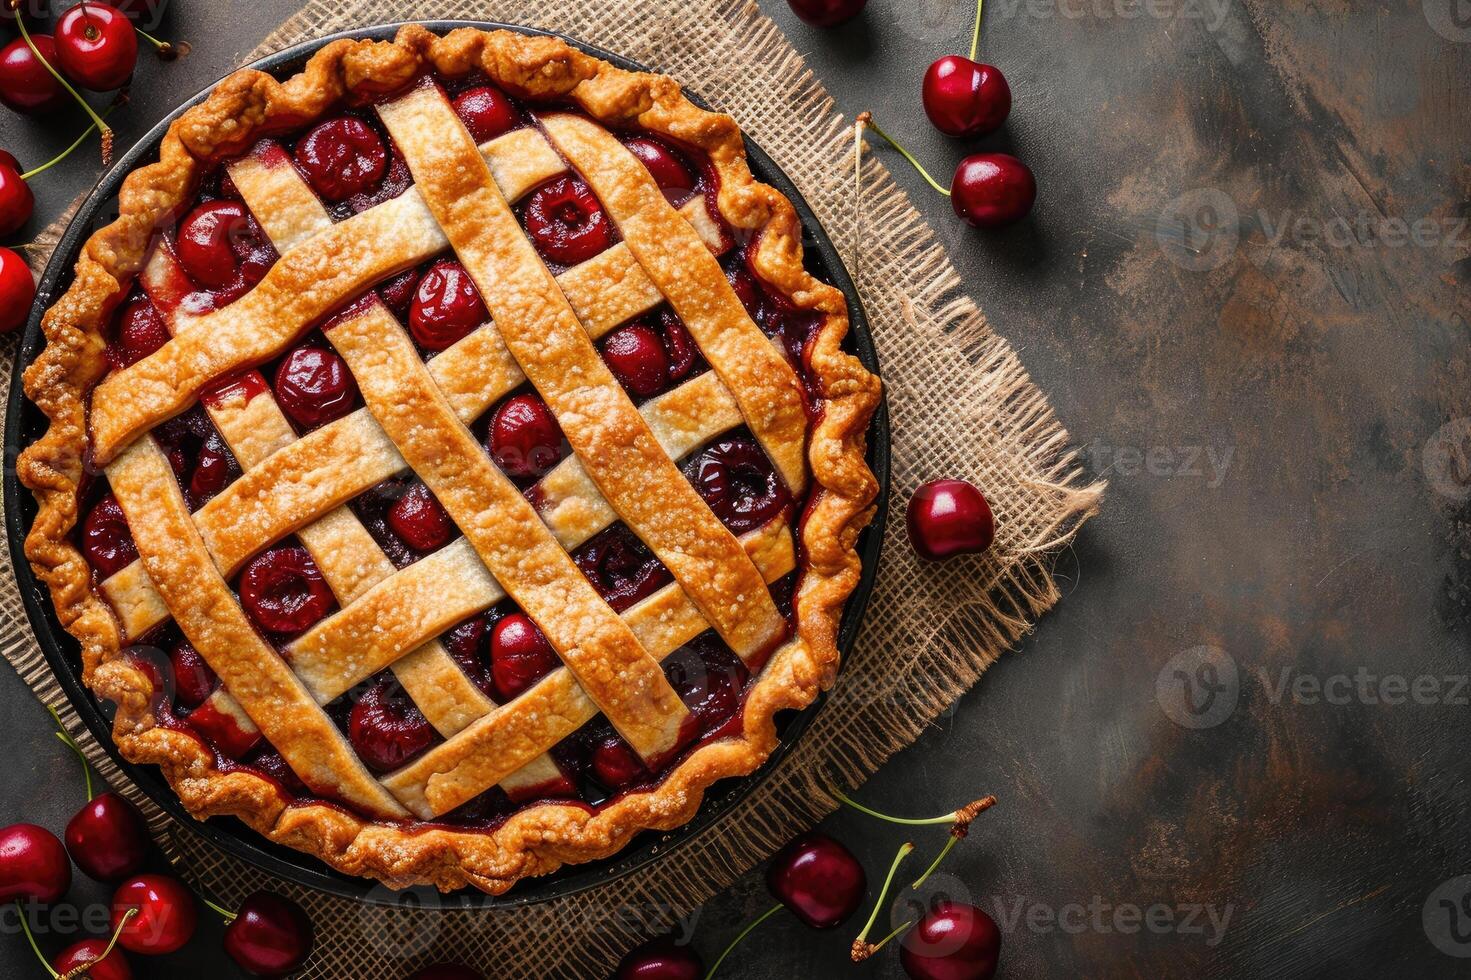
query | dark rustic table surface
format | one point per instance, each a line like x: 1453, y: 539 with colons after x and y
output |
x: 1239, y: 747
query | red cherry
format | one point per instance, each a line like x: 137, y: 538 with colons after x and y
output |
x: 88, y: 953
x: 709, y: 678
x: 106, y: 540
x: 214, y: 469
x: 270, y: 935
x: 466, y: 644
x: 615, y: 764
x: 683, y: 352
x: 386, y: 728
x: 991, y: 190
x: 661, y: 959
x: 446, y: 306
x: 314, y: 386
x: 827, y: 13
x: 194, y: 681
x: 166, y: 914
x: 735, y: 477
x: 953, y: 941
x: 420, y: 520
x: 620, y: 567
x: 283, y: 590
x: 637, y: 359
x: 818, y: 879
x: 486, y: 112
x: 140, y: 331
x: 106, y: 838
x: 398, y: 292
x: 566, y: 222
x: 17, y: 203
x: 947, y: 518
x: 965, y: 98
x: 342, y: 157
x: 17, y: 290
x: 33, y: 865
x: 667, y: 169
x: 25, y: 84
x: 97, y: 46
x: 525, y: 439
x: 447, y: 971
x: 519, y: 656
x: 212, y: 242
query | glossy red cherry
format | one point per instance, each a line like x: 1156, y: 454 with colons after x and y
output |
x: 965, y: 98
x: 615, y: 764
x: 342, y: 157
x: 661, y: 959
x: 736, y: 479
x: 566, y: 222
x: 953, y: 941
x: 214, y: 469
x: 88, y: 953
x: 17, y: 203
x: 467, y: 644
x: 283, y: 590
x: 314, y: 386
x: 992, y: 190
x: 97, y: 46
x: 212, y: 242
x: 947, y: 518
x: 525, y: 439
x: 447, y: 971
x: 620, y: 567
x: 519, y: 656
x: 33, y: 865
x: 194, y: 681
x: 25, y: 84
x: 270, y: 936
x: 446, y: 306
x: 667, y: 169
x: 827, y: 13
x: 709, y: 678
x: 398, y: 292
x: 106, y: 838
x: 420, y: 520
x: 386, y: 728
x: 106, y: 540
x: 637, y: 358
x: 487, y: 112
x: 17, y: 290
x: 683, y: 352
x: 818, y: 879
x: 166, y: 914
x: 140, y: 332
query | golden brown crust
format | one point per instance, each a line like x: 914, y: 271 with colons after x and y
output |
x: 248, y: 105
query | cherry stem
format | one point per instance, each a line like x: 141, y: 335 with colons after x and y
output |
x: 164, y: 50
x: 867, y: 119
x: 84, y: 969
x: 975, y: 34
x: 960, y: 818
x: 936, y: 862
x: 862, y: 948
x: 71, y: 743
x: 102, y: 127
x: 744, y: 933
x: 25, y: 927
x: 224, y: 913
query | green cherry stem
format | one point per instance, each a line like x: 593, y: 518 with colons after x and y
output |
x: 951, y: 842
x: 224, y: 913
x: 71, y: 743
x: 82, y: 969
x: 866, y: 118
x: 164, y: 50
x: 102, y: 127
x: 959, y: 819
x: 862, y: 948
x: 744, y: 933
x: 62, y: 155
x: 975, y: 33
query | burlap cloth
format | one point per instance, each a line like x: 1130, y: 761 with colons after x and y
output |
x: 961, y: 405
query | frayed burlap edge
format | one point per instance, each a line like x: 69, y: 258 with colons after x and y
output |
x: 962, y: 405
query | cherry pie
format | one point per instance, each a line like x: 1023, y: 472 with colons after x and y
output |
x: 452, y: 468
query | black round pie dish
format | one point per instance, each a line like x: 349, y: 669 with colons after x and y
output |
x: 24, y: 423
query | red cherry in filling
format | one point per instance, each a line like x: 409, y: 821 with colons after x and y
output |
x: 952, y: 941
x: 88, y: 953
x: 418, y: 518
x: 214, y: 468
x: 738, y: 482
x: 17, y: 290
x: 446, y: 306
x: 660, y: 959
x: 194, y: 681
x: 818, y: 879
x: 683, y: 353
x: 213, y: 240
x: 33, y: 865
x: 96, y: 45
x: 106, y: 540
x: 519, y: 656
x: 620, y: 567
x: 314, y: 386
x: 342, y: 157
x: 566, y: 222
x: 991, y: 190
x: 965, y: 98
x: 466, y: 644
x: 398, y: 292
x: 283, y: 590
x: 447, y: 971
x: 708, y: 677
x: 25, y: 84
x: 827, y: 13
x: 947, y: 518
x: 637, y: 359
x: 140, y: 332
x: 615, y: 764
x: 386, y: 728
x: 668, y: 171
x: 17, y: 203
x: 270, y: 936
x: 486, y: 112
x: 524, y: 437
x: 106, y: 838
x: 166, y: 914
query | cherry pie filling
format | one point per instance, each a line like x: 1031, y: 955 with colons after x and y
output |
x: 352, y: 165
